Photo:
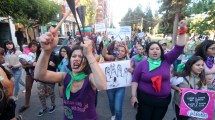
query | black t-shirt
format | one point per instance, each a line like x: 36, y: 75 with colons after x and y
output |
x: 54, y: 59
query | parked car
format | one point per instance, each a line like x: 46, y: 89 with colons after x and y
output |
x: 62, y: 41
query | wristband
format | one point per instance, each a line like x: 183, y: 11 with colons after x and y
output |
x: 1, y: 78
x: 183, y: 31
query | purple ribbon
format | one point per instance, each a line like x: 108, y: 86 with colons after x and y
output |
x: 209, y: 62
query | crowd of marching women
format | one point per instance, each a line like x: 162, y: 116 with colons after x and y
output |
x: 156, y: 70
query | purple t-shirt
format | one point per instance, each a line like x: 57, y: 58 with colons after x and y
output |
x: 143, y: 76
x: 81, y: 105
x: 136, y: 62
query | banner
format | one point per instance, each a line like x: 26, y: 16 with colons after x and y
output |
x: 100, y: 27
x: 197, y: 103
x: 112, y: 32
x: 124, y: 31
x: 117, y: 73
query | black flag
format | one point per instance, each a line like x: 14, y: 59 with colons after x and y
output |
x: 81, y: 10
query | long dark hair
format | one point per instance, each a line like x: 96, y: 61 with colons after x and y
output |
x: 68, y: 51
x: 87, y: 68
x: 201, y: 49
x: 188, y: 68
x: 150, y: 44
x: 5, y: 47
x: 34, y: 42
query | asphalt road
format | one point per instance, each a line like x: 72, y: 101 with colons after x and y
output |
x: 102, y: 107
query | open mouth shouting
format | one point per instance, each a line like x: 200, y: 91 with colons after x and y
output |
x: 76, y: 64
x: 155, y: 55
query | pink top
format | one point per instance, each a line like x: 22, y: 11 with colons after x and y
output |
x: 26, y: 51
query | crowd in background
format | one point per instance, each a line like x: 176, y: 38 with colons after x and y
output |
x: 193, y: 54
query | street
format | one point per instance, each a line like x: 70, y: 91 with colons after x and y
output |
x: 102, y: 107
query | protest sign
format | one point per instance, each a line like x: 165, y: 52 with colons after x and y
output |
x: 124, y: 31
x: 117, y: 73
x: 100, y: 27
x: 197, y: 103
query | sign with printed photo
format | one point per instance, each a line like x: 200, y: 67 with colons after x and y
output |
x: 117, y: 73
x: 197, y: 103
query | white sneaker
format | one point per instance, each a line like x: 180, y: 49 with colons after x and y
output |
x: 24, y: 91
x: 14, y: 98
x: 113, y: 118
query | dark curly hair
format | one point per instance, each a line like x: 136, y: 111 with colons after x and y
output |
x: 201, y: 49
x: 87, y: 68
x: 150, y: 44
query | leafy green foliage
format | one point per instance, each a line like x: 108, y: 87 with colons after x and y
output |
x: 29, y: 12
x: 169, y: 9
x: 200, y: 15
x: 138, y: 18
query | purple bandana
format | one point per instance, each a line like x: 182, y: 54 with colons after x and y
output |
x: 209, y: 62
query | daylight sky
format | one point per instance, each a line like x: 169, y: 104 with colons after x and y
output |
x: 120, y: 7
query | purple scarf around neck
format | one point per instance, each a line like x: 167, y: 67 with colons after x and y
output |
x: 209, y: 61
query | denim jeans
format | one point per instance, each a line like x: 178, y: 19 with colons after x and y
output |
x: 116, y: 97
x: 17, y: 74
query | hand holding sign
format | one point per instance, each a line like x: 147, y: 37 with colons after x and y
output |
x: 197, y: 103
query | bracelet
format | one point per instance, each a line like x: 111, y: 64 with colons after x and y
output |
x: 92, y: 62
x: 183, y: 31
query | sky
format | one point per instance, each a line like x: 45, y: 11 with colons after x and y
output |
x: 120, y: 7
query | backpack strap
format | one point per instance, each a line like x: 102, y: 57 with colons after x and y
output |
x: 187, y: 82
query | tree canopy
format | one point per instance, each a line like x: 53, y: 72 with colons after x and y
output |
x: 137, y: 19
x: 30, y: 11
x: 199, y: 13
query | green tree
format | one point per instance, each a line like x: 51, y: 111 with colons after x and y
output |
x: 172, y: 12
x: 148, y: 20
x: 202, y: 19
x: 29, y: 12
x: 37, y: 11
x: 127, y: 19
x: 133, y: 18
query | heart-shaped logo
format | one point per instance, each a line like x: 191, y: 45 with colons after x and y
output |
x: 196, y: 101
